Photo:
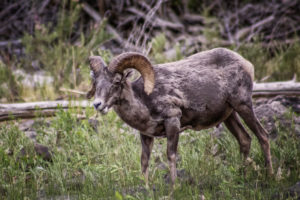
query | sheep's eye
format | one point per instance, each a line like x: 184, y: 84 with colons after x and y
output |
x: 112, y: 89
x: 99, y: 89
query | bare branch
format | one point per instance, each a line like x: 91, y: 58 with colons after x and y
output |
x: 243, y: 32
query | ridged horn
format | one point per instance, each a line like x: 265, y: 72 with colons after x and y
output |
x: 136, y: 61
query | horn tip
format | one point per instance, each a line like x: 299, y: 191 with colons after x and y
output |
x: 148, y: 89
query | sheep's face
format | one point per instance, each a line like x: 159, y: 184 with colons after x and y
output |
x: 107, y: 90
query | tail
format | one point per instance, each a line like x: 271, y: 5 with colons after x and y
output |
x: 249, y: 68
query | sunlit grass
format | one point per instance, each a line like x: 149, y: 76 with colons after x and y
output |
x: 105, y: 164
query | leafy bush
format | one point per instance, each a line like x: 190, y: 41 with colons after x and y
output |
x: 158, y: 46
x: 59, y: 50
x: 89, y: 164
x: 279, y: 64
x: 9, y: 84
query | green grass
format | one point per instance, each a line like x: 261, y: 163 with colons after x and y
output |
x: 105, y: 164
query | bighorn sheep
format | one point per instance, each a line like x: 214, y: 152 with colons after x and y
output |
x: 198, y: 92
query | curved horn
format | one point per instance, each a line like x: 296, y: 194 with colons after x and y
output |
x: 96, y: 64
x: 136, y: 61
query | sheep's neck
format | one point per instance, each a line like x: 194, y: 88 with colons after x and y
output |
x: 131, y: 110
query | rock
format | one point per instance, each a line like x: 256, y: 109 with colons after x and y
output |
x: 218, y: 131
x: 292, y: 102
x: 3, y: 191
x: 39, y: 149
x: 43, y: 151
x: 31, y: 135
x: 294, y: 191
x: 26, y: 125
x: 34, y: 80
x: 268, y: 113
x: 94, y: 123
x: 30, y: 127
x: 273, y: 112
x: 286, y: 101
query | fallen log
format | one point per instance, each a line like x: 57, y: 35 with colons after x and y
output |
x: 287, y: 88
x: 49, y: 108
x: 37, y: 109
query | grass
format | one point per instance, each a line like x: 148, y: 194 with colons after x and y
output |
x: 105, y: 164
x: 59, y: 49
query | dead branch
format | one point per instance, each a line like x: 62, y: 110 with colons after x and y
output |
x: 193, y: 18
x: 12, y: 42
x: 156, y: 21
x: 243, y: 32
x: 288, y: 88
x: 94, y: 14
x: 73, y: 91
x: 49, y: 108
x: 37, y: 109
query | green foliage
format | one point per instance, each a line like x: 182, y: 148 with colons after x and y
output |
x: 59, y: 51
x: 105, y: 55
x: 282, y: 64
x: 211, y: 31
x: 258, y: 56
x: 159, y: 45
x: 286, y: 62
x: 9, y: 84
x: 89, y: 164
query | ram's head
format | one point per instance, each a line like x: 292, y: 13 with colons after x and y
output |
x: 108, y: 82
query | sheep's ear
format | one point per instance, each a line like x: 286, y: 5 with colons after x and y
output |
x: 121, y: 78
x: 96, y: 64
x: 91, y: 92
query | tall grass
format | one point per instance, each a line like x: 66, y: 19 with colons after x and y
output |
x: 10, y: 87
x: 60, y: 49
x: 280, y: 63
x: 105, y: 164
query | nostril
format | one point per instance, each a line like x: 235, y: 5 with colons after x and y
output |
x: 96, y: 105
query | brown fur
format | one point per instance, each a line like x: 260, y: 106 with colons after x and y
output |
x: 198, y: 92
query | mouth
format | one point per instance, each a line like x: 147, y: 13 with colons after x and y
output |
x: 104, y: 110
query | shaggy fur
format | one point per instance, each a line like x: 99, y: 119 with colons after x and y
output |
x: 199, y: 92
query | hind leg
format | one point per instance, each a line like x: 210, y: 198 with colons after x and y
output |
x: 245, y: 110
x: 147, y: 144
x: 235, y: 126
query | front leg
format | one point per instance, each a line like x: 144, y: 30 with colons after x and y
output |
x: 147, y: 143
x: 172, y: 126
